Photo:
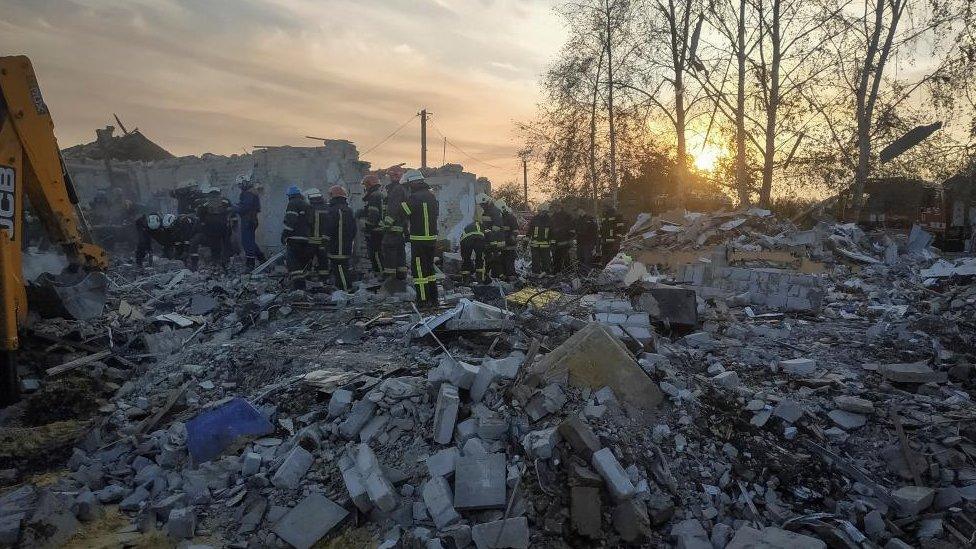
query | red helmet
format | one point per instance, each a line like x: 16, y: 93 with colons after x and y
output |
x: 370, y: 181
x: 338, y: 190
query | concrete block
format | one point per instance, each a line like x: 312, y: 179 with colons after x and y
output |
x: 541, y: 443
x: 481, y: 383
x: 801, y: 367
x: 585, y: 510
x: 162, y: 507
x: 788, y: 410
x: 87, y: 507
x: 374, y: 428
x: 847, y: 421
x: 309, y: 521
x: 381, y: 492
x: 356, y: 487
x: 916, y: 372
x: 460, y: 374
x: 466, y: 429
x: 442, y: 463
x: 439, y: 502
x: 445, y: 415
x: 728, y: 379
x: 854, y: 404
x: 251, y: 464
x: 745, y: 537
x: 290, y: 472
x: 474, y: 447
x: 479, y: 482
x: 514, y: 533
x: 134, y: 501
x: 340, y: 402
x: 580, y: 436
x: 182, y: 523
x: 912, y: 500
x: 621, y: 488
x: 772, y: 537
x: 492, y: 428
x: 360, y: 414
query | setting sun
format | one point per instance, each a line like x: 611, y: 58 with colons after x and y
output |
x: 707, y: 157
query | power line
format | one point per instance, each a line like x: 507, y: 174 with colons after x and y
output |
x: 460, y: 150
x: 387, y: 138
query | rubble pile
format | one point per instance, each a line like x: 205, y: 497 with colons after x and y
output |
x: 705, y: 412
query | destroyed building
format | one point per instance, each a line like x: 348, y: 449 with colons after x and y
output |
x: 148, y: 180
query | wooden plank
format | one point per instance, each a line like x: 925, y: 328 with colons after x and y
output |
x: 149, y: 423
x: 77, y: 363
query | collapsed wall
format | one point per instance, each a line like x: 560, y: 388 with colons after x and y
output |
x: 276, y: 168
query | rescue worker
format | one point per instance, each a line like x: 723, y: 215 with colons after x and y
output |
x: 473, y: 253
x: 248, y: 208
x: 213, y: 213
x: 341, y: 232
x: 540, y: 241
x: 318, y: 238
x: 294, y: 235
x: 188, y: 197
x: 611, y: 232
x: 511, y: 228
x: 587, y: 235
x: 146, y: 225
x: 562, y: 236
x: 179, y: 231
x: 421, y: 208
x: 394, y: 256
x: 372, y: 215
x: 494, y: 235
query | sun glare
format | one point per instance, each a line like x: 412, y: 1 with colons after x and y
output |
x: 707, y: 157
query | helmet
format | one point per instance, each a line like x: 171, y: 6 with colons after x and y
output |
x: 370, y: 181
x: 153, y: 221
x: 313, y: 193
x: 212, y: 190
x: 502, y: 205
x: 294, y: 191
x: 168, y: 220
x: 544, y: 207
x: 337, y: 191
x: 482, y: 199
x: 411, y: 176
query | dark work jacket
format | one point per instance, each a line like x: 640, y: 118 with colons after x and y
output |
x: 318, y: 222
x: 396, y: 195
x: 587, y: 231
x: 494, y: 225
x: 298, y: 219
x: 562, y: 227
x: 612, y: 226
x: 473, y: 236
x: 511, y: 229
x: 340, y: 228
x: 422, y: 209
x: 540, y: 230
x: 372, y: 211
x: 249, y: 206
x: 214, y: 215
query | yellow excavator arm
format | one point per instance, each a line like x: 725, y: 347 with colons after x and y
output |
x: 31, y: 166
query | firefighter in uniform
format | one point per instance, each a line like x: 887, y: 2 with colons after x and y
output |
x: 294, y: 235
x: 587, y: 234
x: 340, y: 228
x: 146, y: 225
x: 421, y: 208
x: 318, y: 240
x: 213, y: 214
x: 540, y: 241
x: 562, y: 236
x: 248, y: 208
x: 372, y: 215
x: 394, y: 256
x: 494, y: 235
x: 511, y: 228
x: 473, y: 253
x: 611, y: 232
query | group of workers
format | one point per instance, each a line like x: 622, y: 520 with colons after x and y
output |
x: 319, y: 234
x: 554, y: 230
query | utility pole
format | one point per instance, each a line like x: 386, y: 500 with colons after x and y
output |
x: 423, y: 138
x: 524, y: 155
x: 444, y: 153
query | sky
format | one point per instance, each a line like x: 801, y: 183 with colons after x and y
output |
x: 223, y: 76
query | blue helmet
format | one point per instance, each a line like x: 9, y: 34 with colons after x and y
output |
x: 294, y: 191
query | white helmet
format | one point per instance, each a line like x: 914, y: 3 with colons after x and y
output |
x: 501, y: 205
x: 482, y: 199
x: 168, y: 220
x: 410, y: 176
x: 313, y: 193
x: 152, y: 221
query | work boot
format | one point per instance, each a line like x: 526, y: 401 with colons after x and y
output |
x: 249, y: 263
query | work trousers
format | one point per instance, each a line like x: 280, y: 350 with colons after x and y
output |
x: 218, y: 243
x: 422, y: 261
x: 560, y: 256
x: 143, y: 246
x: 319, y: 260
x: 340, y: 272
x: 584, y: 253
x: 541, y: 260
x: 298, y: 259
x: 496, y: 263
x: 249, y: 243
x: 611, y: 246
x: 508, y: 258
x: 394, y: 256
x: 374, y: 247
x: 473, y: 261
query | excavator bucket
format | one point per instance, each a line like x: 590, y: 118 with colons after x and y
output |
x: 80, y: 296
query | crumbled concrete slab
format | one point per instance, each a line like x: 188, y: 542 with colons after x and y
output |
x: 580, y: 436
x: 443, y: 462
x: 290, y: 472
x: 445, y: 414
x: 309, y: 521
x: 800, y: 367
x: 621, y: 488
x: 479, y: 482
x: 854, y: 404
x: 915, y: 372
x: 912, y: 500
x: 181, y: 523
x: 438, y: 501
x: 510, y: 533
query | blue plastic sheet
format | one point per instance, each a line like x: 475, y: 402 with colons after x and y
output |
x: 212, y: 431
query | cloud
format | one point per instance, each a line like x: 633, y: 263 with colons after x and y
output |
x: 223, y: 75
